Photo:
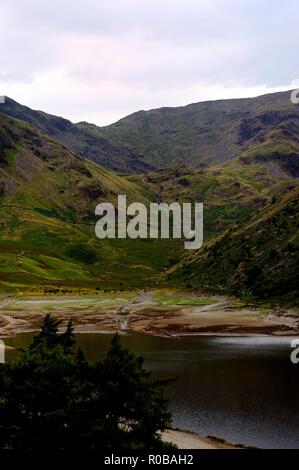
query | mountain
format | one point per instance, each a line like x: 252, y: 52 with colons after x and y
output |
x: 48, y: 195
x: 86, y: 140
x: 262, y: 130
x: 257, y: 257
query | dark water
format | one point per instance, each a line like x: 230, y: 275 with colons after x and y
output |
x: 244, y: 389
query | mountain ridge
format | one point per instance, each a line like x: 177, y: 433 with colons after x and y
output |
x: 199, y: 134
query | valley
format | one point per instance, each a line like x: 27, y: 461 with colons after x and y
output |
x: 50, y: 187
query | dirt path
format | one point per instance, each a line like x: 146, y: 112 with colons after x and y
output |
x: 141, y: 300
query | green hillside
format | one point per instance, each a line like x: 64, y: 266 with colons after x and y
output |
x: 257, y: 258
x: 229, y: 195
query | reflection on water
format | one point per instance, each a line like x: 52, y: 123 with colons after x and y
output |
x: 244, y: 389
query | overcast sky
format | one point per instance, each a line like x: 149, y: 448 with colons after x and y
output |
x: 97, y: 60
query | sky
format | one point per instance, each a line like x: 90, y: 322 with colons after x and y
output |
x: 98, y: 61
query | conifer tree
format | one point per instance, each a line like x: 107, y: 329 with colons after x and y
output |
x: 53, y: 398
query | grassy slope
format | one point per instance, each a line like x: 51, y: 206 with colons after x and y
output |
x: 258, y: 257
x: 229, y: 194
x: 47, y: 202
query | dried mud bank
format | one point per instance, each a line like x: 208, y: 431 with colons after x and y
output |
x: 161, y: 312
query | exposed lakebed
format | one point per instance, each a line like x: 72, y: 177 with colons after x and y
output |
x: 164, y: 312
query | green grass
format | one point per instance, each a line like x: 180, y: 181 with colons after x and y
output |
x: 181, y: 298
x: 10, y: 157
x: 44, y: 304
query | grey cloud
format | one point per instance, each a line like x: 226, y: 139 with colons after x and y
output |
x: 169, y: 45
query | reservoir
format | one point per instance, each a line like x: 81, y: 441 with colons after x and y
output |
x: 244, y: 389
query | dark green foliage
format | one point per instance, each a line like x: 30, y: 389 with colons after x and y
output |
x: 82, y: 253
x: 53, y: 398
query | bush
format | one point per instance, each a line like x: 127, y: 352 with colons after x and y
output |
x: 82, y: 253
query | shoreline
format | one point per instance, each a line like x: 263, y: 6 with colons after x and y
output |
x: 175, y: 338
x: 161, y: 334
x: 184, y: 439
